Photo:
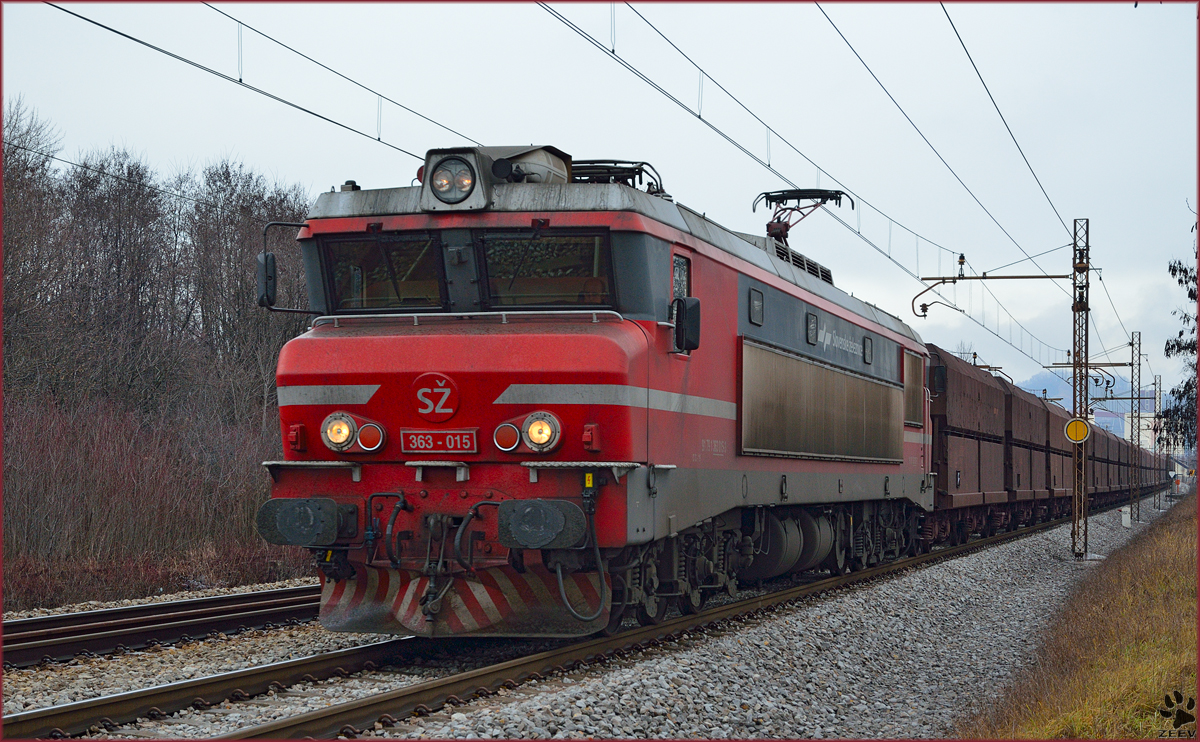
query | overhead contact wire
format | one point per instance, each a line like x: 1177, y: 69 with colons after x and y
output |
x: 782, y: 138
x: 864, y: 201
x: 771, y: 169
x: 344, y: 77
x: 1020, y: 350
x: 1023, y: 157
x: 235, y: 81
x: 1002, y: 119
x: 931, y: 147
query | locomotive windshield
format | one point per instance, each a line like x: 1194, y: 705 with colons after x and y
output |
x: 385, y: 272
x: 527, y: 269
x: 389, y: 272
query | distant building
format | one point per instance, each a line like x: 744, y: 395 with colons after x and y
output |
x: 1112, y: 422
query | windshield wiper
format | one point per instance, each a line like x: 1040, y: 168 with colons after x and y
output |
x: 391, y: 271
x: 538, y: 224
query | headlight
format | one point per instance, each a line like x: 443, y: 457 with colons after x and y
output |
x: 541, y: 431
x: 453, y: 180
x: 338, y: 431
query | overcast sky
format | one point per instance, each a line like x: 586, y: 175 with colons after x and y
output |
x: 1101, y: 98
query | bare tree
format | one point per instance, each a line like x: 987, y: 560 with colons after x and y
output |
x: 1178, y: 428
x: 139, y: 373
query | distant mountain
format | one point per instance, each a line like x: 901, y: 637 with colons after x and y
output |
x: 1056, y: 387
x: 1052, y: 384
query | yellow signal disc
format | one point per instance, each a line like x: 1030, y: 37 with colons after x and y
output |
x: 1077, y: 430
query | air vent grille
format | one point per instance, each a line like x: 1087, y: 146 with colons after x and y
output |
x: 808, y: 265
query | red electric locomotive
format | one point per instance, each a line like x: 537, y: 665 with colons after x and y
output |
x: 511, y: 416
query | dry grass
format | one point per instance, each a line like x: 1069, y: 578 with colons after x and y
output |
x: 1126, y: 637
x: 104, y: 503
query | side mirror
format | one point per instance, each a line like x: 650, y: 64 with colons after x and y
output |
x: 266, y: 279
x: 937, y: 379
x: 687, y: 323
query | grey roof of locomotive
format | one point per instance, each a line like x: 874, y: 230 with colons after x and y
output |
x: 757, y: 250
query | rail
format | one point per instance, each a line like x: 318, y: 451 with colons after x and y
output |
x: 350, y: 718
x: 157, y: 702
x: 28, y: 641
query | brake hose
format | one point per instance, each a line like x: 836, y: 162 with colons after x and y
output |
x: 389, y: 543
x: 562, y: 591
x: 461, y: 529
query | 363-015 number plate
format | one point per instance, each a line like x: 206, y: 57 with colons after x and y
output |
x: 438, y: 441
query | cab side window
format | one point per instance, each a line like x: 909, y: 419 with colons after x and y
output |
x: 681, y: 278
x: 681, y: 282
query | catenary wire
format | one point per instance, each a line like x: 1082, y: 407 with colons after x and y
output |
x: 934, y: 149
x: 766, y: 165
x: 344, y: 77
x: 1022, y: 260
x: 1027, y: 164
x: 235, y: 81
x: 776, y: 134
x: 1001, y: 115
x: 588, y: 37
x: 789, y: 144
x: 1110, y: 301
x: 1020, y: 350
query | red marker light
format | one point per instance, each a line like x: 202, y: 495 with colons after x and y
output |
x: 507, y: 437
x: 421, y: 174
x: 370, y: 437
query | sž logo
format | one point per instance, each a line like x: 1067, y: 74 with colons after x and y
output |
x: 436, y: 397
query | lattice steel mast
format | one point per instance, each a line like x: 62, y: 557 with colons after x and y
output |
x: 1157, y: 417
x: 1135, y: 426
x: 1081, y: 281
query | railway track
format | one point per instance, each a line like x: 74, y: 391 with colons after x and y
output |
x: 153, y: 703
x: 28, y: 641
x: 349, y: 717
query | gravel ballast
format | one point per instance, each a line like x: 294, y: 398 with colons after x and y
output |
x: 91, y: 677
x: 901, y: 657
x: 905, y: 657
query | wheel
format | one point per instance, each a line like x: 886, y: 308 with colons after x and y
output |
x: 692, y: 602
x: 615, y: 618
x: 616, y: 613
x: 837, y: 561
x: 913, y: 536
x: 653, y: 608
x: 989, y: 528
x: 654, y: 613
